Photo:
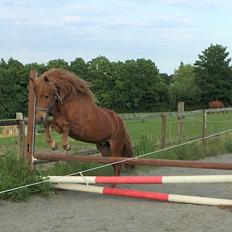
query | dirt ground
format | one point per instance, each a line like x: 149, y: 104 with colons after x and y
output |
x: 69, y: 211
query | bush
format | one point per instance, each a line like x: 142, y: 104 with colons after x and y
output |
x: 15, y: 173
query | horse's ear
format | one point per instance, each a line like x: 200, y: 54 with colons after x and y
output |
x: 46, y: 79
x: 81, y: 87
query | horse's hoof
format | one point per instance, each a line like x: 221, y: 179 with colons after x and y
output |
x: 67, y: 147
x: 54, y: 146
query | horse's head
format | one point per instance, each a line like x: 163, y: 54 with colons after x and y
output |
x: 46, y: 97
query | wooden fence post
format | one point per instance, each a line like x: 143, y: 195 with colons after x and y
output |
x: 180, y: 121
x: 21, y: 133
x: 204, y: 125
x: 31, y: 120
x: 163, y: 130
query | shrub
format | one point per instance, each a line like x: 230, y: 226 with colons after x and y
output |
x: 15, y: 173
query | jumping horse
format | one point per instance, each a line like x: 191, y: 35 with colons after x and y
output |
x: 75, y: 113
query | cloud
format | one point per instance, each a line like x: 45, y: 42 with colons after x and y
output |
x: 210, y: 4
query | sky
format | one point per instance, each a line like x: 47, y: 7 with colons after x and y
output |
x: 165, y: 31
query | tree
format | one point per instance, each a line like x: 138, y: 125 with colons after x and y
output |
x: 79, y: 67
x: 139, y: 86
x: 101, y: 80
x: 58, y: 63
x: 214, y: 75
x: 12, y: 88
x: 184, y: 87
x: 167, y: 78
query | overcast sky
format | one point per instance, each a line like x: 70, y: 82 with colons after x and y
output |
x: 166, y: 31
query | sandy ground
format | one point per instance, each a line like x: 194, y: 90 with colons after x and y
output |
x: 73, y: 211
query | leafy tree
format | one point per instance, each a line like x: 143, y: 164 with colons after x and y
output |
x: 58, y: 63
x: 79, y: 67
x: 184, y: 87
x: 167, y: 78
x: 139, y: 86
x: 213, y: 74
x: 101, y: 80
x: 12, y: 88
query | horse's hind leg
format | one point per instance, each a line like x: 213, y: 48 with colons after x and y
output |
x: 104, y: 148
x: 116, y: 147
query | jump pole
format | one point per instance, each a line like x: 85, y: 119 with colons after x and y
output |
x: 142, y: 179
x: 156, y: 196
x: 135, y: 161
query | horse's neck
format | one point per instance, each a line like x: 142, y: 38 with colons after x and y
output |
x: 68, y: 104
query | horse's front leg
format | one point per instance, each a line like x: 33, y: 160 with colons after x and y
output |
x: 66, y: 145
x: 52, y: 143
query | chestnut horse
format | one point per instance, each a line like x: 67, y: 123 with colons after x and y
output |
x: 216, y: 104
x: 75, y: 114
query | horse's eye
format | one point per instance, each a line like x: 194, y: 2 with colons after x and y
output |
x: 46, y: 97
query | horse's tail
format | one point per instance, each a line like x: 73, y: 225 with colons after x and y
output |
x: 128, y: 150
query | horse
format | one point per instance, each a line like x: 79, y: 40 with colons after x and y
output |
x: 216, y: 104
x: 75, y: 112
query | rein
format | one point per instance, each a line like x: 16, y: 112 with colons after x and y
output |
x: 49, y: 109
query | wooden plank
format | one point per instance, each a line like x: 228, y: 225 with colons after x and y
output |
x: 10, y: 122
x: 136, y: 161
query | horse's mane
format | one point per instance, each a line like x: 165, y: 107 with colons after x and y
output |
x: 68, y: 83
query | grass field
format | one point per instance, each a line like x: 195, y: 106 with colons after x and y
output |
x: 140, y: 129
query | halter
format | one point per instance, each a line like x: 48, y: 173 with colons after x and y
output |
x: 49, y: 109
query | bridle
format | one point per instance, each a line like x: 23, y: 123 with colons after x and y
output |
x: 49, y: 109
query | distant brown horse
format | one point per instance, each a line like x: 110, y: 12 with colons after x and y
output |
x: 216, y: 104
x: 75, y: 114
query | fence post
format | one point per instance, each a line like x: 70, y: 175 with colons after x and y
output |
x: 21, y: 133
x: 180, y: 121
x: 204, y: 125
x: 31, y: 120
x: 163, y: 130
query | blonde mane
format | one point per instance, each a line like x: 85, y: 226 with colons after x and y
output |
x: 68, y: 83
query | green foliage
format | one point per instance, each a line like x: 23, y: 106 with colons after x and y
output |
x: 130, y: 86
x: 15, y: 173
x: 184, y: 87
x: 139, y: 86
x: 214, y: 75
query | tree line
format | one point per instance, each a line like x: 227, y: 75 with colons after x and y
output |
x: 132, y: 85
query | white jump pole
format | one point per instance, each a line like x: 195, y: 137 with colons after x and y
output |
x: 146, y: 195
x: 142, y: 179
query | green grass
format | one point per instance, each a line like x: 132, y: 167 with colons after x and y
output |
x: 137, y: 128
x: 15, y: 173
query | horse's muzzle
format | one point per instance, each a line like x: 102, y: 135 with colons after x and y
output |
x: 41, y: 117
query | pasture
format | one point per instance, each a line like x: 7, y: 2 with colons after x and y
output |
x: 140, y: 130
x: 145, y: 133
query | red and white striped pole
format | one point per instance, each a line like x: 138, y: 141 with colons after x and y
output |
x: 145, y: 195
x: 142, y: 179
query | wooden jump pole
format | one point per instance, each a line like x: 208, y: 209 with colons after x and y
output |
x: 199, y: 179
x: 31, y: 120
x: 136, y: 161
x: 146, y: 195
